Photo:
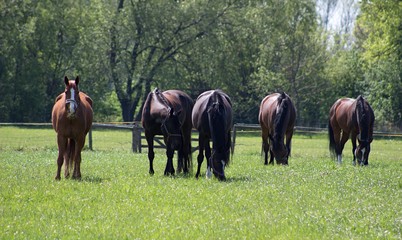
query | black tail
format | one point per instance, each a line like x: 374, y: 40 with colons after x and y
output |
x: 70, y: 153
x: 332, y: 144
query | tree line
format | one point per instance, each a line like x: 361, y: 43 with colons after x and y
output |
x: 123, y: 49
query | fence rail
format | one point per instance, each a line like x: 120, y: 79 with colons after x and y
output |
x: 138, y: 136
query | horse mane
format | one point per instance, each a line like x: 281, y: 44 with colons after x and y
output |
x: 162, y: 99
x: 362, y: 118
x: 282, y: 110
x: 216, y: 115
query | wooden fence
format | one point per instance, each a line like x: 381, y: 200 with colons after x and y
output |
x: 138, y: 139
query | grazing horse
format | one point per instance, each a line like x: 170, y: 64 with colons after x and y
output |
x: 168, y: 113
x: 277, y: 118
x: 351, y: 118
x: 72, y: 120
x: 212, y: 117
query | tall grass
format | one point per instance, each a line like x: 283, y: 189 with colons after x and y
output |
x: 311, y: 198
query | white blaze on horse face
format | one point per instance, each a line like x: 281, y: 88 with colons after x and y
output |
x: 363, y: 151
x: 339, y: 158
x: 73, y: 106
x: 208, y: 174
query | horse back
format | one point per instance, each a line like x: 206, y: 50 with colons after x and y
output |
x: 342, y: 114
x: 204, y: 102
x: 268, y: 111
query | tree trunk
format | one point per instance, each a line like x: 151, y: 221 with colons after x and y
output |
x: 127, y: 111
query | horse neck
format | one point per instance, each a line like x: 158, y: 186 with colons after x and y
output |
x: 363, y: 118
x: 217, y: 125
x: 161, y: 98
x: 280, y: 122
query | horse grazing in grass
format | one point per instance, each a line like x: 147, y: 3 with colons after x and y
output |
x: 277, y: 118
x: 212, y: 117
x: 168, y: 113
x: 72, y: 120
x: 351, y: 118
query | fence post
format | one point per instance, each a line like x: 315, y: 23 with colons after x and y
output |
x: 90, y: 139
x: 136, y: 139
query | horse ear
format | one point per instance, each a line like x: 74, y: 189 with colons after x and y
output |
x: 77, y: 80
x: 66, y: 80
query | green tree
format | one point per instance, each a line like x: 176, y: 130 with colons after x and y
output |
x: 379, y: 38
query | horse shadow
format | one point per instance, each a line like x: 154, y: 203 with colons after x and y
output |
x: 93, y: 179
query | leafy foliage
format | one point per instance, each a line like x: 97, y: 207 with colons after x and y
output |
x: 123, y: 49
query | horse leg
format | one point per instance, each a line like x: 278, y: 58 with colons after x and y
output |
x: 169, y: 164
x: 265, y: 146
x: 341, y: 145
x: 289, y: 136
x: 79, y: 145
x: 337, y: 134
x: 271, y: 155
x: 68, y: 157
x: 62, y: 144
x: 187, y: 152
x: 180, y: 164
x: 200, y: 157
x: 208, y: 174
x: 151, y: 154
x: 353, y: 138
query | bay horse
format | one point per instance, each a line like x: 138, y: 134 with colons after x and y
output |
x: 71, y: 119
x: 277, y: 117
x: 213, y: 118
x: 168, y: 113
x: 352, y: 118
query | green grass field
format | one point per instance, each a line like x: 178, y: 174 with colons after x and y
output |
x: 312, y: 198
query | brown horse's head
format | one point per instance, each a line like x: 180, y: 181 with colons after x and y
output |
x: 171, y: 129
x: 280, y: 151
x: 72, y: 96
x: 362, y: 152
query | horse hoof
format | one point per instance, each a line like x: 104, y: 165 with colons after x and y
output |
x: 57, y: 178
x: 151, y: 172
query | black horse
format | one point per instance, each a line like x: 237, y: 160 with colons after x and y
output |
x: 168, y: 113
x: 212, y: 117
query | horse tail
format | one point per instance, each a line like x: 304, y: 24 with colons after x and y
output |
x: 146, y: 111
x: 332, y: 144
x: 70, y: 153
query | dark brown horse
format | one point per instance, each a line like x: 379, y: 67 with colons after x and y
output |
x: 212, y: 117
x: 72, y: 120
x: 277, y: 118
x: 352, y: 118
x: 168, y: 113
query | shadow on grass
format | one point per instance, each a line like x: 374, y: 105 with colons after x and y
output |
x: 93, y: 179
x: 238, y: 179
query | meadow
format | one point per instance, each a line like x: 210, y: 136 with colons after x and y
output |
x: 312, y: 198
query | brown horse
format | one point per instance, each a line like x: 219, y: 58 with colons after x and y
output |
x: 71, y: 119
x: 168, y: 113
x: 277, y: 118
x: 212, y: 117
x: 351, y: 118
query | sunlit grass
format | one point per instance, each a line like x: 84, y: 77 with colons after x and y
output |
x: 312, y: 198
